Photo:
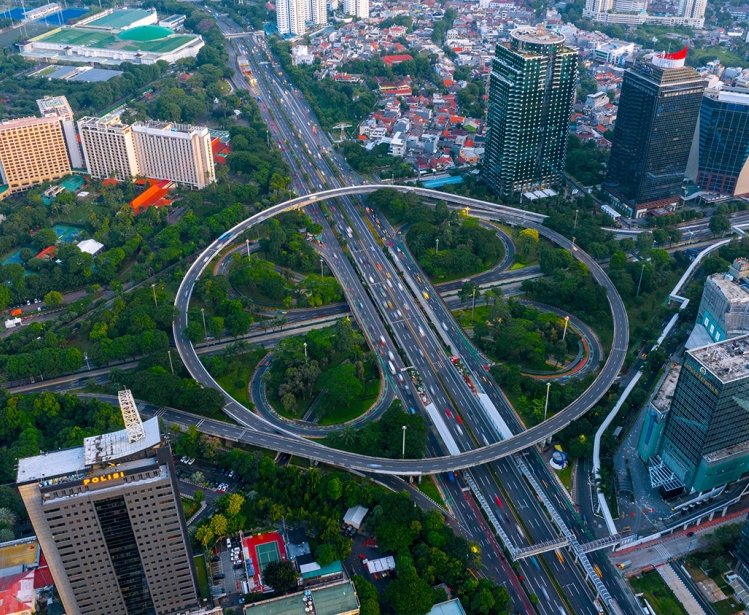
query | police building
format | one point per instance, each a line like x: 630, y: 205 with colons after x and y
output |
x: 110, y: 524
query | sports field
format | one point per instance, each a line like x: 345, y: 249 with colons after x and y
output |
x: 81, y: 37
x: 267, y: 553
x: 120, y: 18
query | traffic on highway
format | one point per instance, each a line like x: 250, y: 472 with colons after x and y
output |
x: 420, y: 348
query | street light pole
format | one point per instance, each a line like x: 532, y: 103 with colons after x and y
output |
x: 321, y: 270
x: 305, y: 352
x: 642, y: 270
x: 566, y: 322
x: 171, y: 365
x: 403, y: 447
x: 247, y: 244
x: 205, y: 329
x: 437, y: 245
x: 153, y: 290
x: 575, y: 226
x: 546, y: 405
x: 473, y: 307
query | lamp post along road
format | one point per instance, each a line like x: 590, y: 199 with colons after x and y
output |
x: 566, y: 323
x: 403, y: 446
x: 546, y: 404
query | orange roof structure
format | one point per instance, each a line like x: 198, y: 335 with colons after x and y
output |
x: 47, y: 253
x: 153, y: 196
x: 109, y: 181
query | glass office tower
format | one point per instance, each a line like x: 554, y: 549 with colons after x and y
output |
x: 706, y: 438
x: 655, y: 122
x: 531, y: 93
x: 724, y: 142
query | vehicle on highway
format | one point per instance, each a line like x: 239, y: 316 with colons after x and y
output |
x: 448, y: 414
x: 390, y: 355
x: 498, y: 501
x: 391, y: 367
x: 421, y: 332
x: 382, y: 340
x: 559, y: 555
x: 426, y: 294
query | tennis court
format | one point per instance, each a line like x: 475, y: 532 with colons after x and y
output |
x: 267, y: 553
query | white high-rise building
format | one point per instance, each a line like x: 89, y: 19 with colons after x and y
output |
x: 290, y: 16
x: 318, y: 12
x: 693, y: 10
x: 178, y: 152
x: 357, y: 8
x: 157, y: 150
x: 108, y: 147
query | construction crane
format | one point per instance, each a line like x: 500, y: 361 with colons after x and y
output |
x: 130, y: 416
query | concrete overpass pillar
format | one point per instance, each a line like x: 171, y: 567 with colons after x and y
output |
x: 724, y: 511
x: 712, y: 514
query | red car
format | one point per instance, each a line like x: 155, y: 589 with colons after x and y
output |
x: 498, y: 501
x: 362, y: 556
x: 458, y: 418
x: 448, y: 414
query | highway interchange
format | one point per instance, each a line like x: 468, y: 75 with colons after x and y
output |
x: 403, y: 318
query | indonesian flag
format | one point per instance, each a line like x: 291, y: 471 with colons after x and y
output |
x: 670, y: 60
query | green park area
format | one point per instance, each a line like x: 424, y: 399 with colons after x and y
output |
x: 286, y: 271
x: 512, y: 332
x: 233, y: 370
x: 447, y: 244
x: 328, y: 375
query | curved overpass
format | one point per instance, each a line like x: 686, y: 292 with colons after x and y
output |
x: 266, y: 435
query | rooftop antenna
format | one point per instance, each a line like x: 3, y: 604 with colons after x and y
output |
x: 130, y: 416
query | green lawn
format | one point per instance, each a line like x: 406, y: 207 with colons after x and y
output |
x: 357, y: 408
x: 200, y: 569
x: 657, y: 593
x: 189, y: 507
x: 566, y: 476
x: 428, y: 487
x: 236, y: 378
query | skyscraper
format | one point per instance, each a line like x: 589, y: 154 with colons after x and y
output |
x: 531, y: 92
x: 291, y: 16
x: 658, y: 110
x: 32, y: 151
x: 705, y: 440
x: 722, y: 152
x: 109, y: 520
x: 357, y: 8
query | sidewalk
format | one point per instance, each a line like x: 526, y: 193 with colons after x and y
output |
x: 680, y: 590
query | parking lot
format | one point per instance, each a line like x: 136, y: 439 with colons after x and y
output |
x: 227, y: 571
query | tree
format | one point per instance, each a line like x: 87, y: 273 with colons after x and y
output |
x: 233, y: 504
x: 280, y: 575
x: 720, y: 224
x: 335, y: 489
x: 409, y: 595
x: 53, y: 299
x: 219, y: 525
x: 204, y: 535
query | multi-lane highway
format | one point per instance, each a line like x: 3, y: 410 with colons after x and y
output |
x: 397, y: 308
